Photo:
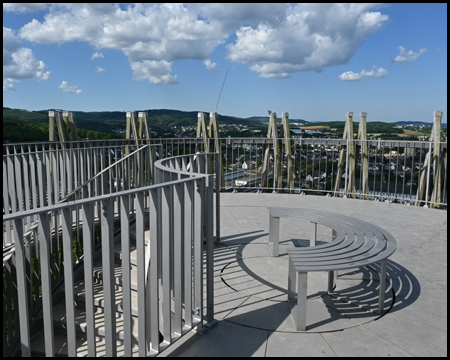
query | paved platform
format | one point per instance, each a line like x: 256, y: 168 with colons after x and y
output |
x: 251, y: 285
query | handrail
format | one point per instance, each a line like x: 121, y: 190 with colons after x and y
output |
x: 188, y: 198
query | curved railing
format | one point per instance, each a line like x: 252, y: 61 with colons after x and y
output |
x: 170, y: 220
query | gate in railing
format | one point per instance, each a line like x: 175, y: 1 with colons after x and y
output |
x: 158, y: 295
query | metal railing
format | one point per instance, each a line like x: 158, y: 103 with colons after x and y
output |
x: 173, y: 216
x: 395, y: 167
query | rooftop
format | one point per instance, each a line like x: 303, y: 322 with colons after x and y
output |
x: 251, y: 286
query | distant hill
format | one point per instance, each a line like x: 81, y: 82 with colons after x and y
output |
x: 106, y: 121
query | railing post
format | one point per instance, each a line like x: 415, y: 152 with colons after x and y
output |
x: 209, y: 222
x: 219, y: 177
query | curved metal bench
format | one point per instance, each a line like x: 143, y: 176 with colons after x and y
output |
x: 355, y: 243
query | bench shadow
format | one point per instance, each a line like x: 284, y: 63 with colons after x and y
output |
x: 356, y: 299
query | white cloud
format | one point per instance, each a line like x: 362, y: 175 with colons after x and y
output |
x: 24, y: 7
x: 311, y: 37
x: 19, y: 63
x: 96, y: 55
x: 276, y: 40
x: 375, y: 73
x: 408, y: 55
x: 156, y: 72
x: 99, y: 69
x: 70, y: 89
x: 211, y: 66
x: 8, y: 84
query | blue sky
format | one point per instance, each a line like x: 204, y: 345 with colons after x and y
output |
x: 315, y: 61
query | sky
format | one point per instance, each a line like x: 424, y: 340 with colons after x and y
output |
x: 315, y: 61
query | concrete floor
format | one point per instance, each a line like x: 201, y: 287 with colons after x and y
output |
x: 250, y: 286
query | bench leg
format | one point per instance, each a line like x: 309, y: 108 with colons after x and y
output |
x: 302, y: 284
x: 330, y: 281
x: 382, y: 286
x: 292, y: 291
x: 313, y: 238
x: 297, y: 285
x: 274, y: 234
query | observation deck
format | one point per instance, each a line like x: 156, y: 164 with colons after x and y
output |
x: 125, y: 248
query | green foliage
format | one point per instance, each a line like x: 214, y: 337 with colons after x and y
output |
x: 17, y: 131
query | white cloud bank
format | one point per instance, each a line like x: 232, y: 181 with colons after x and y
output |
x: 19, y: 63
x: 408, y: 55
x: 70, y: 89
x: 99, y: 69
x: 375, y: 73
x: 276, y: 40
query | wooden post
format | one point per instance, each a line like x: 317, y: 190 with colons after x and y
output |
x: 348, y: 131
x: 437, y: 170
x: 437, y: 174
x: 51, y: 123
x: 362, y: 135
x: 128, y: 131
x: 272, y: 132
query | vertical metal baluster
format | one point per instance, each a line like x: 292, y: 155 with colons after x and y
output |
x: 198, y: 250
x: 188, y: 232
x: 140, y: 247
x: 45, y: 238
x: 21, y: 289
x: 178, y: 235
x: 167, y: 250
x: 155, y: 249
x: 88, y: 236
x: 66, y: 224
x: 126, y: 271
x: 107, y: 238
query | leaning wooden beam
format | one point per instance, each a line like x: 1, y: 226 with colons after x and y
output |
x: 202, y: 132
x: 351, y: 157
x: 62, y: 130
x: 287, y: 146
x: 272, y: 132
x: 277, y: 152
x: 214, y: 133
x: 342, y: 154
x: 362, y: 135
x: 73, y: 126
x: 142, y: 116
x: 434, y: 138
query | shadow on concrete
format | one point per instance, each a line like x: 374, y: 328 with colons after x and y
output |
x: 243, y: 238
